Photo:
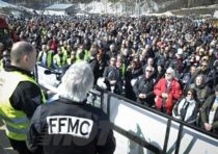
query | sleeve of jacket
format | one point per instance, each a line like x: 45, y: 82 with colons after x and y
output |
x: 26, y: 97
x: 136, y: 87
x: 157, y: 88
x: 177, y: 90
x: 150, y: 93
x: 215, y: 124
x: 33, y: 134
x: 105, y: 140
x: 105, y: 73
x: 175, y: 112
x: 203, y: 110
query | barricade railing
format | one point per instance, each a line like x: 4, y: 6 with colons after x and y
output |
x: 147, y: 130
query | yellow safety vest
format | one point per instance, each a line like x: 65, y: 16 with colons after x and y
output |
x: 60, y: 61
x: 49, y: 56
x: 1, y: 64
x: 16, y: 121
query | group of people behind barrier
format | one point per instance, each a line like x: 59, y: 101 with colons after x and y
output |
x: 167, y: 63
x: 156, y: 61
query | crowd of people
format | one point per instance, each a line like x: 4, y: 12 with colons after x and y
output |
x: 167, y: 63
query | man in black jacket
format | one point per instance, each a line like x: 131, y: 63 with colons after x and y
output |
x: 69, y: 125
x: 144, y: 86
x: 209, y: 113
x: 113, y: 77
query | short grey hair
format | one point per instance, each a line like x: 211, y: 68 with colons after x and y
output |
x: 172, y: 71
x: 77, y: 82
x: 20, y: 49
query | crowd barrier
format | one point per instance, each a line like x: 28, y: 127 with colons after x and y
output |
x: 142, y: 130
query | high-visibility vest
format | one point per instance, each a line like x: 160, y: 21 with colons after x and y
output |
x: 1, y: 64
x: 65, y: 52
x: 16, y: 121
x: 49, y: 57
x: 70, y: 61
x: 123, y: 70
x: 86, y: 56
x: 60, y: 61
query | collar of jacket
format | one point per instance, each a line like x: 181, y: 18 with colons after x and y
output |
x: 11, y: 68
x: 68, y: 101
x: 200, y: 86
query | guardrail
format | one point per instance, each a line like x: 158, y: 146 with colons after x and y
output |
x: 145, y: 130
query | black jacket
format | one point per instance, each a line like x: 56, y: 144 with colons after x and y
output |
x: 27, y: 96
x: 205, y: 111
x: 145, y: 86
x: 66, y: 127
x: 97, y: 67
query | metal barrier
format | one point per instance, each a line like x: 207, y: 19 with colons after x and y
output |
x: 146, y: 130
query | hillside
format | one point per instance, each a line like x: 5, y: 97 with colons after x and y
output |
x: 151, y: 5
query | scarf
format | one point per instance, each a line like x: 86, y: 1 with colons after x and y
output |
x: 188, y: 107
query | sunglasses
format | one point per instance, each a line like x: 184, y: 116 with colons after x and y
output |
x: 150, y: 71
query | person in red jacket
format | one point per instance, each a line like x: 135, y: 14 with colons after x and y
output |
x: 167, y: 90
x: 53, y: 44
x: 7, y: 33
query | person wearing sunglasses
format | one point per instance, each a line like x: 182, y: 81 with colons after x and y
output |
x: 143, y: 87
x: 187, y: 108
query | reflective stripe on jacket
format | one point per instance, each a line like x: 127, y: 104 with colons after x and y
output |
x: 1, y: 64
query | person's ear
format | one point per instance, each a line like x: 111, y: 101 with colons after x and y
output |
x: 25, y: 58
